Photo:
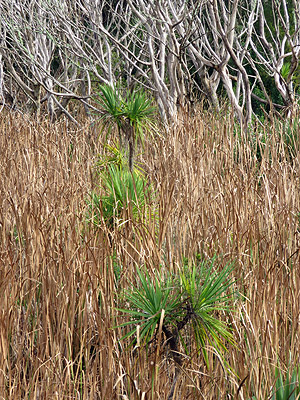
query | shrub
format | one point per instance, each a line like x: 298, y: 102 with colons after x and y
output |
x: 193, y: 298
x: 132, y: 114
x: 122, y: 190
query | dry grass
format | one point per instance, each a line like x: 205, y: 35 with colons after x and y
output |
x: 61, y: 282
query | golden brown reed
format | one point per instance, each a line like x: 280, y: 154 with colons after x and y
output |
x: 62, y: 281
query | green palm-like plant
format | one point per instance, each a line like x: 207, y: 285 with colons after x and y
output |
x: 132, y: 114
x: 189, y: 300
x: 113, y: 156
x: 122, y: 189
x: 111, y: 104
x: 208, y: 297
x: 138, y: 113
x: 147, y: 303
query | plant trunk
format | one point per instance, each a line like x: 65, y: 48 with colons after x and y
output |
x: 172, y: 338
x: 130, y: 136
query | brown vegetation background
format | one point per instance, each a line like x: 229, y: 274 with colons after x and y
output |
x: 217, y: 193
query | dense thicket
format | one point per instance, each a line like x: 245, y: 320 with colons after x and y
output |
x: 52, y: 51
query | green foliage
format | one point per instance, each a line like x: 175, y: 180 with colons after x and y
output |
x: 196, y: 298
x: 285, y: 70
x: 287, y: 387
x: 112, y: 106
x: 114, y: 156
x: 147, y: 302
x: 212, y: 298
x: 122, y: 190
x: 291, y: 137
x: 132, y: 114
x: 139, y: 113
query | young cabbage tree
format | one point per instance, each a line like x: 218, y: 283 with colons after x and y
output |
x: 121, y: 190
x: 194, y: 298
x: 132, y: 114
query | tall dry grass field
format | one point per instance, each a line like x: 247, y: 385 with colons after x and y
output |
x: 217, y: 193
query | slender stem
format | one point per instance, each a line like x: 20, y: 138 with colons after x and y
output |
x: 130, y: 135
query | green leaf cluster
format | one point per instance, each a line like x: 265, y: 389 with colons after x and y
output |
x: 147, y: 302
x: 132, y: 113
x: 197, y: 298
x: 208, y: 298
x: 121, y: 190
x: 287, y: 387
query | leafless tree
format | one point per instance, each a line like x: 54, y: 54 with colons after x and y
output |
x: 275, y: 43
x: 186, y: 42
x: 56, y: 50
x: 28, y: 50
x: 35, y: 56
